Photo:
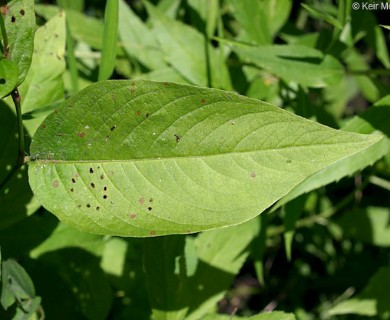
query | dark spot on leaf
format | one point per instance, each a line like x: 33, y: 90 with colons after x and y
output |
x: 4, y: 9
x: 13, y: 19
x: 288, y: 161
x: 43, y: 126
x: 22, y: 12
x: 150, y: 208
x: 203, y: 101
x: 147, y: 115
x: 55, y: 183
x: 152, y: 232
x: 113, y: 128
x: 102, y: 176
x: 138, y: 113
x: 253, y: 174
x: 105, y: 188
x: 2, y: 81
x: 151, y: 200
x: 177, y: 137
x: 56, y: 35
x: 97, y: 208
x: 133, y: 215
x: 92, y: 185
x: 141, y: 200
x: 88, y: 205
x: 79, y: 206
x: 111, y: 202
x: 81, y: 134
x: 90, y: 170
x: 73, y: 180
x: 71, y: 189
x: 105, y: 196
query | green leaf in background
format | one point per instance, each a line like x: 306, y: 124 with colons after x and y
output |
x: 19, y: 19
x: 372, y: 301
x: 367, y: 224
x: 188, y: 51
x: 138, y: 40
x: 186, y: 282
x: 16, y: 285
x: 260, y: 20
x: 162, y: 158
x: 274, y: 315
x: 43, y: 84
x: 110, y: 40
x: 8, y: 76
x: 303, y: 65
x: 16, y: 198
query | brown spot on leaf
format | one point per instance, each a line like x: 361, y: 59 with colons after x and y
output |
x: 150, y: 208
x: 73, y: 180
x: 138, y: 113
x: 105, y: 196
x: 133, y: 215
x: 92, y: 185
x: 151, y: 200
x: 81, y: 134
x: 22, y: 12
x: 113, y: 128
x: 55, y: 183
x: 203, y: 101
x: 43, y: 126
x: 79, y: 206
x: 141, y: 200
x: 88, y: 205
x: 153, y: 232
x: 147, y: 115
x: 102, y: 176
x: 4, y: 9
x: 253, y: 174
x: 177, y: 137
x: 97, y: 208
x: 91, y: 170
x: 71, y: 189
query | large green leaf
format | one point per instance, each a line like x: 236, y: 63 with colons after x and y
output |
x: 20, y: 26
x: 145, y: 158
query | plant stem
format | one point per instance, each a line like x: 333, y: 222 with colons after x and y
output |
x: 16, y: 98
x: 5, y: 38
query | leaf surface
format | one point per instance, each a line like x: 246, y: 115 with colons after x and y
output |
x: 8, y: 76
x: 19, y: 22
x: 145, y: 158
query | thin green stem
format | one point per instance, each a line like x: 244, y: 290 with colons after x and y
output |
x: 16, y: 98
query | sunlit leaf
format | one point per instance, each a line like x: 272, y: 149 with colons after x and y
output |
x: 145, y: 158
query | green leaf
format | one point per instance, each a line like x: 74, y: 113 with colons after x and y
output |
x: 274, y: 315
x: 301, y: 64
x: 186, y: 277
x: 260, y: 20
x: 43, y: 85
x: 185, y: 49
x: 144, y: 158
x: 16, y: 284
x: 110, y: 36
x: 367, y: 224
x: 8, y: 76
x: 320, y: 14
x: 372, y: 301
x: 138, y: 40
x: 19, y: 19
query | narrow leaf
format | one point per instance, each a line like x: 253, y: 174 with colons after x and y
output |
x: 145, y: 158
x: 301, y: 64
x: 110, y: 37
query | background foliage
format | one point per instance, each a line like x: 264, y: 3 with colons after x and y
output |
x: 319, y: 253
